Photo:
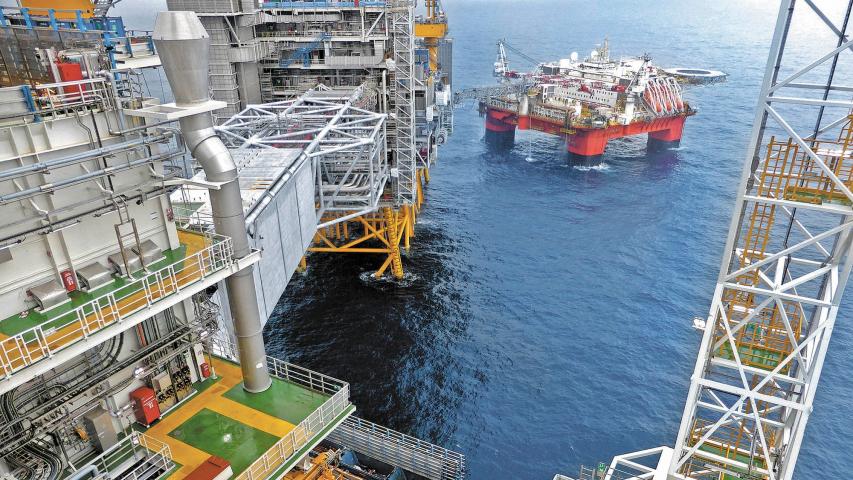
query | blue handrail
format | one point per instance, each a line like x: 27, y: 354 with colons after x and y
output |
x: 304, y: 53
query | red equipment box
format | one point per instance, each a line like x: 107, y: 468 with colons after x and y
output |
x: 145, y: 405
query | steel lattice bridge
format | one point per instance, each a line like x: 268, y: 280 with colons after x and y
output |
x: 345, y: 143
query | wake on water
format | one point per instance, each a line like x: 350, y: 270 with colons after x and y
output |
x: 601, y: 167
x: 388, y: 280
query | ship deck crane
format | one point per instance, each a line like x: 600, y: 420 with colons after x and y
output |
x: 502, y: 60
x: 432, y: 28
x: 787, y: 260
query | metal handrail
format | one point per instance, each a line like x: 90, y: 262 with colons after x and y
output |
x: 53, y: 98
x: 152, y: 451
x: 305, y: 431
x: 401, y: 450
x: 25, y: 348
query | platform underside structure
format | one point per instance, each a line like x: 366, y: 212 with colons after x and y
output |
x: 345, y: 146
x: 276, y: 51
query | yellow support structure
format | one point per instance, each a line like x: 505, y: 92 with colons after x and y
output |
x: 394, y: 238
x: 375, y: 233
x: 433, y: 29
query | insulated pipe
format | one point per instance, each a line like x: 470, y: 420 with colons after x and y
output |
x: 82, y: 157
x: 184, y: 45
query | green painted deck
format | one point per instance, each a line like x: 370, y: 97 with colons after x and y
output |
x: 735, y: 456
x: 222, y: 420
x: 752, y: 355
x: 224, y: 437
x: 283, y: 400
x: 61, y: 315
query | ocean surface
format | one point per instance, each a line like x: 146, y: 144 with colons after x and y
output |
x: 545, y: 321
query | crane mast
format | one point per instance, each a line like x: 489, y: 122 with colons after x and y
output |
x: 785, y: 266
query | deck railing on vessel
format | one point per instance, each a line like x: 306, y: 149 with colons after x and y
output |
x: 63, y: 329
x: 135, y: 448
x: 502, y: 104
x: 607, y: 473
x: 55, y: 99
x: 412, y: 454
x: 299, y: 440
x: 312, y: 33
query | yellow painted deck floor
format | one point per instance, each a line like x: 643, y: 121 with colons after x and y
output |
x: 73, y: 332
x: 213, y: 399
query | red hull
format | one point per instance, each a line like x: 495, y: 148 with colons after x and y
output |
x: 588, y: 141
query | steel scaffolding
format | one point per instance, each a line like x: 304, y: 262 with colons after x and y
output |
x: 402, y: 94
x: 785, y: 266
x: 784, y: 270
x: 346, y: 145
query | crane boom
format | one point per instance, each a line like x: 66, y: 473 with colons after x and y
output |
x: 483, y: 93
x: 787, y: 259
x: 503, y: 44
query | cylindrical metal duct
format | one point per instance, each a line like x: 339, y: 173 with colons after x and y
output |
x: 183, y: 45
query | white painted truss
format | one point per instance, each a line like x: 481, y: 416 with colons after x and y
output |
x: 346, y: 145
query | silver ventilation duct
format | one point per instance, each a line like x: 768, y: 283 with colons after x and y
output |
x: 183, y: 45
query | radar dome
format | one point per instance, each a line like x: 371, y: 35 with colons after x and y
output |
x: 574, y: 56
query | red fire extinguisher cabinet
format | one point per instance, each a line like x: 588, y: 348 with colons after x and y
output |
x: 145, y: 405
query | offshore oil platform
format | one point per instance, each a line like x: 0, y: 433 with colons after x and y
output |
x: 143, y: 244
x: 588, y: 101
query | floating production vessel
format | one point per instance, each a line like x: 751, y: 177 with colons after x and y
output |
x: 143, y: 245
x: 589, y: 101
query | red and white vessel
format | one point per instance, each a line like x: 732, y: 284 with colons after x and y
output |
x: 588, y: 101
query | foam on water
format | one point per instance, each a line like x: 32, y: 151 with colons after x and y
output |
x: 601, y: 167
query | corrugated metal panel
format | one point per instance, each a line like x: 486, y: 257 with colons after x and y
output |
x: 307, y: 214
x: 282, y: 231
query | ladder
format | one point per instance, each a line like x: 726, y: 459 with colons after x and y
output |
x: 127, y: 234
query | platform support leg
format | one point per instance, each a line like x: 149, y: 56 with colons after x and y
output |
x: 500, y: 129
x: 393, y: 237
x: 668, y: 138
x: 586, y: 144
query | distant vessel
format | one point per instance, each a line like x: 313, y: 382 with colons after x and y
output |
x: 588, y: 101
